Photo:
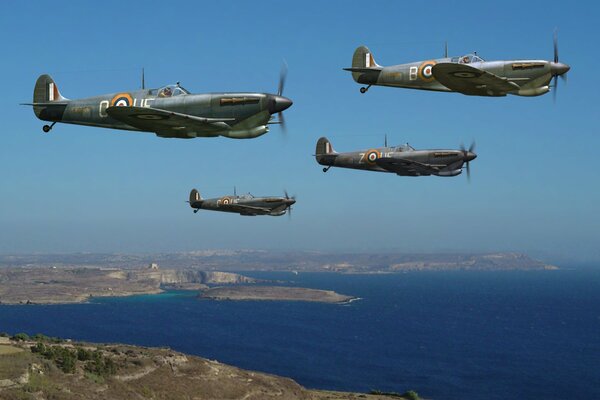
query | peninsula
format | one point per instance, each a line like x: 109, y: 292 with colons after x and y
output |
x: 45, y: 368
x: 57, y: 285
x: 274, y: 293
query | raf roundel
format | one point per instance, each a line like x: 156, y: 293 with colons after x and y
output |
x: 121, y: 100
x: 151, y: 117
x: 425, y: 71
x: 371, y: 156
x: 225, y: 201
x: 465, y: 74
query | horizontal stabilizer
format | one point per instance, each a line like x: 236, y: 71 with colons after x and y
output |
x: 362, y: 70
x: 46, y: 103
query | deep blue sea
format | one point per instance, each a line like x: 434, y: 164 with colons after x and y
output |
x: 447, y: 335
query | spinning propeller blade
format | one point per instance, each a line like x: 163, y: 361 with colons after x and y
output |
x: 289, y: 207
x: 468, y: 155
x: 282, y: 78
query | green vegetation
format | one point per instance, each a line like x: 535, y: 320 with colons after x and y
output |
x: 64, y: 358
x: 20, y: 337
x: 100, y: 365
x: 409, y: 395
x: 95, y: 363
x: 39, y: 337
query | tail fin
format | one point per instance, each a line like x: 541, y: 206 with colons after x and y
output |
x: 48, y: 104
x: 364, y: 67
x: 363, y: 58
x: 46, y: 90
x: 194, y: 197
x: 324, y: 147
x: 324, y: 152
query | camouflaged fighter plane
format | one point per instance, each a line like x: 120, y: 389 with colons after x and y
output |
x: 169, y: 112
x: 246, y: 204
x: 469, y: 74
x: 402, y: 160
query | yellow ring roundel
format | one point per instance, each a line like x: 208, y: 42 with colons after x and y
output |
x: 371, y: 156
x: 225, y: 201
x: 122, y: 100
x: 425, y: 71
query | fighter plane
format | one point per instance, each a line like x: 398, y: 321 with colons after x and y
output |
x: 169, y: 112
x: 402, y: 160
x: 246, y: 204
x: 468, y: 74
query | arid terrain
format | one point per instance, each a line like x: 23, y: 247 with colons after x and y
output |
x: 75, y: 278
x: 47, y: 285
x: 297, y: 261
x: 50, y: 369
x: 274, y: 293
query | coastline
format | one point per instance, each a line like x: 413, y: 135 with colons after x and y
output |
x: 275, y: 293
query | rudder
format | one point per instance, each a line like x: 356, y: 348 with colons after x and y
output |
x: 45, y: 93
x: 324, y: 150
x: 363, y: 58
x: 46, y: 90
x: 194, y: 197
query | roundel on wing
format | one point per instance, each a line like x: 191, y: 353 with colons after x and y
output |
x: 465, y: 74
x: 122, y: 100
x: 425, y: 71
x: 371, y: 156
x: 150, y: 117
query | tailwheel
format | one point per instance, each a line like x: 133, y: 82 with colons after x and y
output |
x: 364, y: 89
x: 48, y: 128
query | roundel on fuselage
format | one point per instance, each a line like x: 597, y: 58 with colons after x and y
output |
x: 122, y: 100
x: 224, y: 201
x: 425, y: 71
x: 371, y: 156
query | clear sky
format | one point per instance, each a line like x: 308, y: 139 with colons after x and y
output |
x: 535, y: 185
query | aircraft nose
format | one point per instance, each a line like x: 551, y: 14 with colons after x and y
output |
x: 559, y: 68
x: 470, y: 156
x: 291, y: 201
x: 278, y: 104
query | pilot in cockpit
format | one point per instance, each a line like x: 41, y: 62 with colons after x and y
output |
x: 166, y: 92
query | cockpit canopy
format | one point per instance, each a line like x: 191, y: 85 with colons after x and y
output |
x: 404, y: 147
x: 246, y: 196
x: 467, y: 59
x: 169, y: 91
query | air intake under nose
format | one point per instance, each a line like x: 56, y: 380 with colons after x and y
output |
x: 278, y: 104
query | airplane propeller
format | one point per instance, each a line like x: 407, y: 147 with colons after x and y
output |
x: 557, y: 68
x: 289, y: 207
x: 468, y: 156
x: 282, y: 78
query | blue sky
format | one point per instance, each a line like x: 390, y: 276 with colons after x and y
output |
x: 534, y: 188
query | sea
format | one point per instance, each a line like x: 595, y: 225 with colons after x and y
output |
x: 446, y: 335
